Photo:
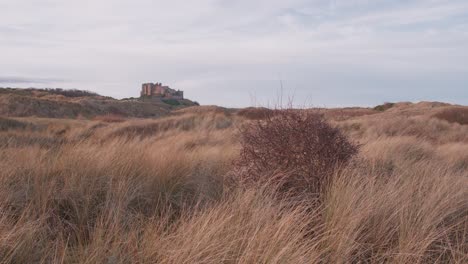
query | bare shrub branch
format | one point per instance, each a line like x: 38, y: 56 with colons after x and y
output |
x: 298, y: 144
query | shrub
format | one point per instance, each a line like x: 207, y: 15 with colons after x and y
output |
x: 384, y: 107
x: 254, y: 113
x: 299, y: 145
x: 6, y: 124
x: 173, y: 102
x: 70, y: 93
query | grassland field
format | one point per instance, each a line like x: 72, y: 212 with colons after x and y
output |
x: 134, y: 190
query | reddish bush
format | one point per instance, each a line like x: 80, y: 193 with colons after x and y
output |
x: 254, y: 113
x: 296, y: 144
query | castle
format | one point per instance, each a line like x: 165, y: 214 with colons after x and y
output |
x: 158, y: 90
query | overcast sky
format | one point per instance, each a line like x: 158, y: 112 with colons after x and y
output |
x: 236, y: 53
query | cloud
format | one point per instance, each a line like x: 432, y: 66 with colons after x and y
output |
x: 241, y: 46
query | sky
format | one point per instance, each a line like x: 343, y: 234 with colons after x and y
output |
x: 242, y: 53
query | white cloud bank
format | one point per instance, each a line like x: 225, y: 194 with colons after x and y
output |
x: 342, y: 52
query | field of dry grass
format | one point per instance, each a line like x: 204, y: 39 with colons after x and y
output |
x: 162, y: 190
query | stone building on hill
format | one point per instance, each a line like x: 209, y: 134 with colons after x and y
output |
x: 158, y: 90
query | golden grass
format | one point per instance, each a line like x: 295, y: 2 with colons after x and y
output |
x: 160, y: 191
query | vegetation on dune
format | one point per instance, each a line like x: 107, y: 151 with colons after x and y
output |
x: 384, y: 106
x: 255, y: 113
x: 299, y: 147
x: 42, y: 92
x: 162, y: 190
x: 171, y: 102
x: 454, y: 115
x: 59, y: 103
x: 8, y: 123
x: 110, y: 118
x: 70, y: 93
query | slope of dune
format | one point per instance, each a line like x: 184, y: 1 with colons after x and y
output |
x: 165, y: 190
x: 79, y: 104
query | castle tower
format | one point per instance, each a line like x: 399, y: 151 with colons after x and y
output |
x: 157, y: 89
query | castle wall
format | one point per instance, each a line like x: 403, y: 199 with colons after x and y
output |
x: 157, y: 89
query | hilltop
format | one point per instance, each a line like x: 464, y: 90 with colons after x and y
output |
x: 59, y: 103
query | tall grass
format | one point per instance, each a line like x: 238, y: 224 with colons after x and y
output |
x: 161, y: 191
x: 454, y: 115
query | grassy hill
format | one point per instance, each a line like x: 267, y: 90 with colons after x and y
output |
x: 197, y: 187
x: 57, y: 103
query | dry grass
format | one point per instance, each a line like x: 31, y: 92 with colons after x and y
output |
x: 454, y: 115
x: 110, y: 118
x: 155, y: 191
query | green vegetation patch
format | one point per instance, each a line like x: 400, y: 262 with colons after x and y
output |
x: 6, y: 124
x: 173, y: 102
x: 384, y: 107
